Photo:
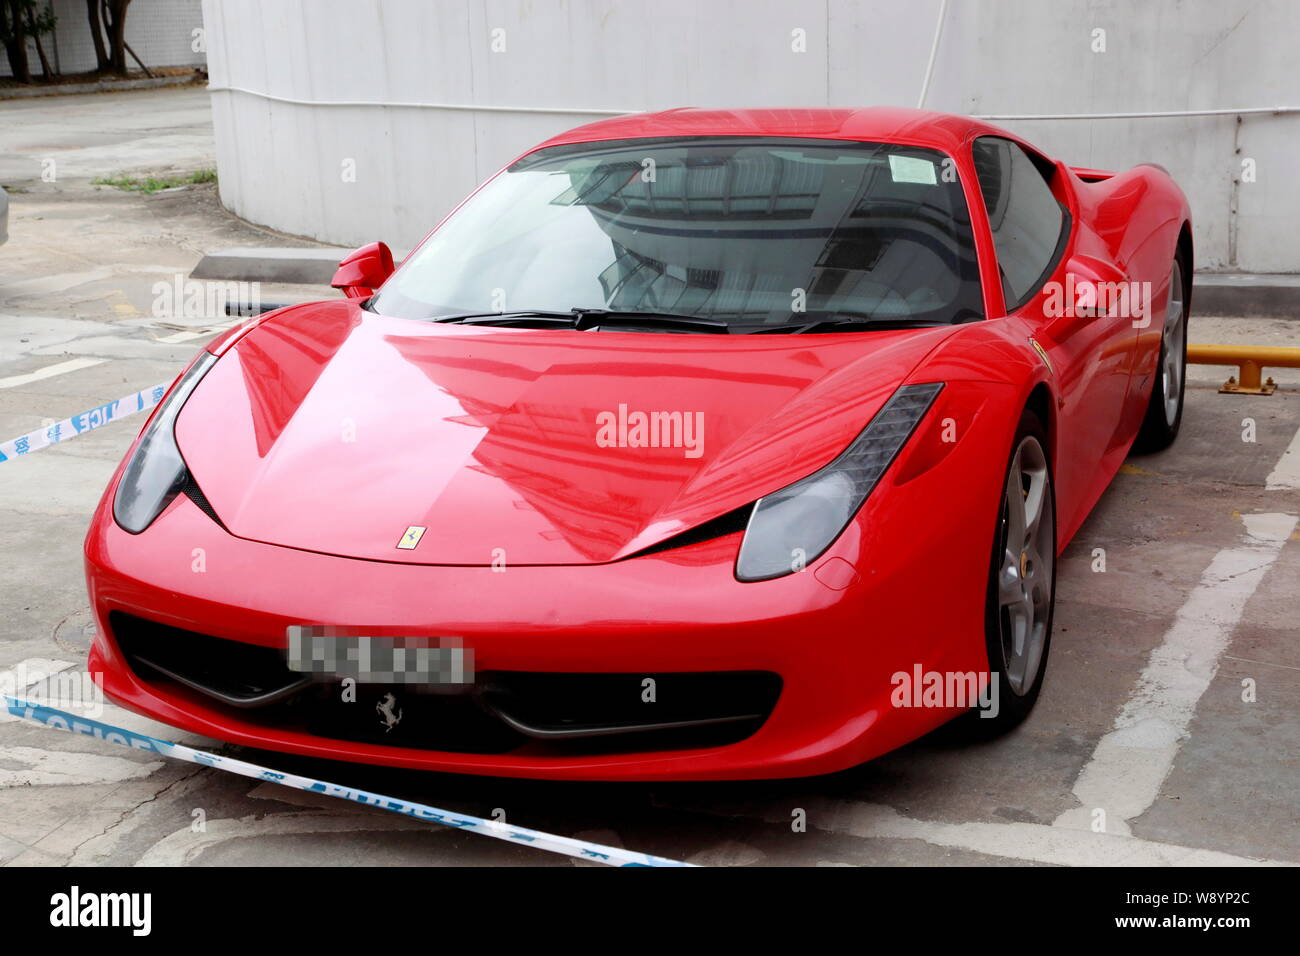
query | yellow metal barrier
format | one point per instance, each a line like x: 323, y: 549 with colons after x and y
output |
x: 1251, y: 360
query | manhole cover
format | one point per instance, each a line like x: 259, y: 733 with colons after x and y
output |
x: 75, y: 632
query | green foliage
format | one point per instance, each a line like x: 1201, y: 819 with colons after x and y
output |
x: 152, y: 184
x: 25, y: 18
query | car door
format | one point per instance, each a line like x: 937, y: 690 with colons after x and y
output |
x: 1090, y: 355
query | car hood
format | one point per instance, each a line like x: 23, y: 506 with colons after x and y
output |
x: 331, y: 429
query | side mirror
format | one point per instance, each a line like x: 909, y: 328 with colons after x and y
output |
x: 1087, y: 292
x: 363, y: 271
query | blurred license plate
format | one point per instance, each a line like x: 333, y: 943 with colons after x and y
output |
x: 336, y: 652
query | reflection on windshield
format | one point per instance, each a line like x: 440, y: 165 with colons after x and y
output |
x: 760, y: 233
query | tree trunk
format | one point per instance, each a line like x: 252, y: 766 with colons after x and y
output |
x: 116, y: 9
x: 97, y: 34
x: 16, y: 42
x: 46, y: 72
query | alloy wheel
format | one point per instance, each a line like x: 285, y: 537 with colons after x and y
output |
x: 1175, y: 336
x: 1024, y: 577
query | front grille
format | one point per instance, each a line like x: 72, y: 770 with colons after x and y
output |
x: 504, y: 711
x: 232, y: 672
x: 453, y: 723
x: 720, y: 707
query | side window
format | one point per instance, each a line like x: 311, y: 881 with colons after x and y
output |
x: 1028, y: 223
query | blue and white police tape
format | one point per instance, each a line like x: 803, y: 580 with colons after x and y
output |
x: 140, y: 401
x: 595, y: 852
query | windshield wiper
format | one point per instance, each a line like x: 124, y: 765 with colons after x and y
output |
x: 837, y: 325
x: 591, y: 319
x: 601, y: 318
x: 850, y: 321
x: 843, y: 325
x: 565, y: 319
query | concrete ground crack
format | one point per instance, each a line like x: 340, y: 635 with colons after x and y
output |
x: 190, y: 774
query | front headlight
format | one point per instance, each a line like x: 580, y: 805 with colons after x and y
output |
x: 156, y: 472
x: 790, y: 528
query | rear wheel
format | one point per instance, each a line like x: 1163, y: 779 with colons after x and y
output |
x: 1022, y: 579
x: 1165, y: 408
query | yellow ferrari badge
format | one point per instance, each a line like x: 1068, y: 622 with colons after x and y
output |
x: 412, y: 537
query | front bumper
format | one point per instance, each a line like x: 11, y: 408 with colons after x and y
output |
x: 904, y: 586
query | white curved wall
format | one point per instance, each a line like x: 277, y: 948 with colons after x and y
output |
x: 285, y: 164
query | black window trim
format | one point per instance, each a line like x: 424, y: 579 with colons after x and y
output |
x: 1062, y: 240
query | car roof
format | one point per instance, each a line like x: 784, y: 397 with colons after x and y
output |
x: 877, y: 124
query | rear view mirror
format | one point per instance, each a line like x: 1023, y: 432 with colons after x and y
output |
x: 1087, y: 299
x: 363, y: 271
x: 1089, y: 291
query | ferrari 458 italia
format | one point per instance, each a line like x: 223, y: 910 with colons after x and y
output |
x: 692, y: 445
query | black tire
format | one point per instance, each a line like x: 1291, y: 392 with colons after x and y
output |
x: 1157, y: 431
x: 1014, y: 703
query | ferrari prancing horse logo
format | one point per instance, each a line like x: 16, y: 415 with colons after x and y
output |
x: 412, y: 537
x: 389, y: 712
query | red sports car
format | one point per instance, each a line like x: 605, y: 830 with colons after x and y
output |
x: 700, y: 444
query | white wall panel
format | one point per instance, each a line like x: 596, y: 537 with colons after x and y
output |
x: 280, y: 164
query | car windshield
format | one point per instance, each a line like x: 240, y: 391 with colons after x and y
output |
x: 756, y: 234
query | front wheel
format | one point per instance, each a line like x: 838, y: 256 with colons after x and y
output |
x: 1022, y: 580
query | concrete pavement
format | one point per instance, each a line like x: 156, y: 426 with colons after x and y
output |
x: 102, y: 134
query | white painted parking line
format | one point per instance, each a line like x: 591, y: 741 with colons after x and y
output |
x: 35, y: 671
x: 41, y: 767
x: 1124, y: 776
x: 27, y: 674
x: 183, y: 847
x: 1286, y: 474
x: 210, y: 331
x: 49, y: 371
x: 177, y: 338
